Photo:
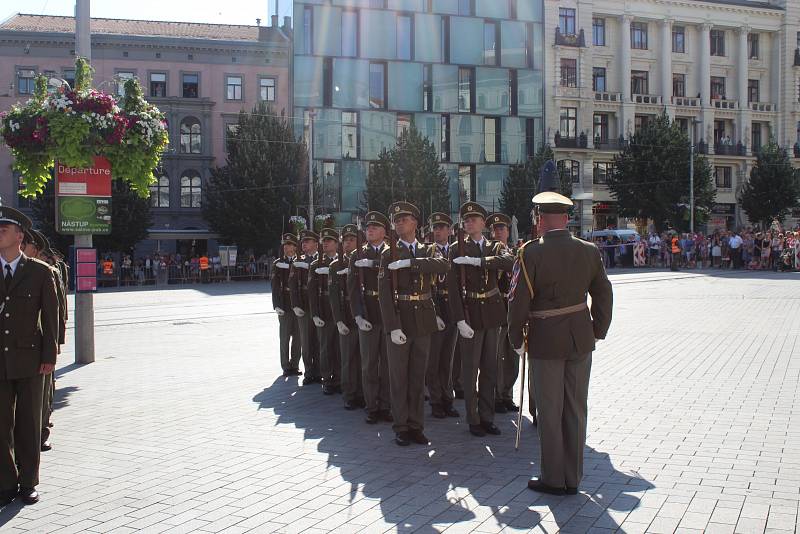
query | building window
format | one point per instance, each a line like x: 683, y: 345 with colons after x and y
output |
x: 350, y: 135
x: 513, y: 91
x: 405, y: 37
x: 25, y: 81
x: 571, y: 169
x: 491, y: 139
x: 191, y: 140
x: 191, y: 189
x: 466, y: 183
x: 601, y: 172
x: 599, y: 79
x: 678, y: 39
x: 466, y: 8
x: 404, y: 121
x: 233, y: 87
x: 640, y: 121
x: 678, y: 84
x: 639, y: 35
x: 491, y: 52
x: 266, y: 89
x: 327, y: 82
x: 569, y: 72
x: 512, y: 9
x: 69, y: 77
x: 683, y: 124
x: 427, y: 87
x: 529, y: 40
x: 191, y: 85
x: 600, y: 128
x: 719, y: 133
x: 566, y: 21
x: 158, y: 84
x: 717, y: 42
x: 445, y: 138
x: 122, y: 77
x: 568, y: 122
x: 377, y: 85
x: 377, y: 4
x: 717, y: 88
x: 308, y: 30
x: 755, y: 136
x: 331, y: 186
x: 639, y: 82
x: 230, y: 132
x: 722, y: 177
x: 445, y: 44
x: 466, y: 90
x: 752, y: 45
x: 753, y: 92
x: 349, y: 33
x: 159, y: 191
x: 530, y: 137
x: 598, y: 32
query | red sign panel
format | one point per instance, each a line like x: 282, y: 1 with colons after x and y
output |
x: 87, y: 283
x: 92, y: 182
x: 87, y: 269
x: 86, y: 255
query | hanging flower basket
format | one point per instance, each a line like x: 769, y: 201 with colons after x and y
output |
x: 298, y: 223
x: 323, y: 221
x: 72, y: 125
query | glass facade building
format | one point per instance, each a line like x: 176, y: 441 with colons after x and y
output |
x: 467, y: 73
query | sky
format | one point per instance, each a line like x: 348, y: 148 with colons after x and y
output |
x: 212, y: 11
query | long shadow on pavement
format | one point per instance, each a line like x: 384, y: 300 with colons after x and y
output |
x: 458, y: 479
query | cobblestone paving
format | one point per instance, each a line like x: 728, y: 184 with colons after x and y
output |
x: 182, y: 425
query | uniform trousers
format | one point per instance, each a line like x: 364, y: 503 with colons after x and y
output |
x: 330, y: 362
x: 289, y: 331
x: 20, y: 431
x: 562, y: 389
x: 479, y: 375
x: 438, y: 377
x: 351, y: 366
x: 48, y: 392
x: 507, y: 366
x: 374, y: 368
x: 407, y: 365
x: 310, y: 346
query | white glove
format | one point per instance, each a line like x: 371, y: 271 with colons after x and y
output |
x: 280, y: 312
x: 343, y: 272
x: 322, y: 270
x: 439, y: 323
x: 301, y: 265
x: 364, y: 262
x: 281, y: 265
x: 466, y: 260
x: 343, y: 330
x: 520, y: 351
x: 465, y: 330
x: 398, y: 337
x: 299, y: 312
x: 399, y: 264
x: 318, y: 322
x: 363, y: 324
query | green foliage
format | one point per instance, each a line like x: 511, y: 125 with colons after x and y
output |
x: 651, y: 177
x: 520, y: 187
x: 773, y: 188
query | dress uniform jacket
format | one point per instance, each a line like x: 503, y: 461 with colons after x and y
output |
x: 280, y: 285
x: 441, y: 294
x: 338, y: 292
x: 318, y: 290
x: 559, y: 268
x: 365, y: 304
x: 298, y: 284
x: 484, y: 313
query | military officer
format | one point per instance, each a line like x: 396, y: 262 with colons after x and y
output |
x: 443, y: 341
x: 288, y: 322
x: 362, y: 286
x: 552, y: 277
x: 507, y: 359
x: 409, y: 316
x: 299, y: 298
x: 329, y: 361
x: 477, y: 307
x: 29, y: 337
x: 349, y: 351
x: 458, y: 389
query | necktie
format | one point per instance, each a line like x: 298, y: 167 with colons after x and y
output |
x: 411, y: 250
x: 9, y: 276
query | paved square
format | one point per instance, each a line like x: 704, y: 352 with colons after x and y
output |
x: 183, y: 425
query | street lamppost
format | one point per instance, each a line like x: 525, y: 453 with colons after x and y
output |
x: 311, y: 114
x: 691, y: 177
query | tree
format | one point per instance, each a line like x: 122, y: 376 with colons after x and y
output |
x: 409, y: 171
x: 247, y: 199
x: 521, y: 185
x: 651, y: 177
x: 773, y: 188
x: 130, y: 219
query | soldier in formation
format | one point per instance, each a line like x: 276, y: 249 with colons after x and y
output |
x: 289, y: 328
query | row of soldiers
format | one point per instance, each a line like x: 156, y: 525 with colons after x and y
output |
x: 382, y: 317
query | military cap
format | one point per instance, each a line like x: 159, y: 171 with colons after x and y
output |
x: 308, y: 234
x: 349, y: 230
x: 377, y: 218
x: 472, y: 208
x: 499, y: 218
x: 329, y: 233
x: 10, y: 215
x: 289, y: 239
x: 439, y: 218
x: 42, y: 243
x: 402, y: 207
x: 549, y: 199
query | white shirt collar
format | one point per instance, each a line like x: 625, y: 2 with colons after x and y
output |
x: 479, y: 243
x: 13, y: 264
x: 415, y: 244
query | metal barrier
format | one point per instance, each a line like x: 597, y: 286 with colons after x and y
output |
x: 185, y: 274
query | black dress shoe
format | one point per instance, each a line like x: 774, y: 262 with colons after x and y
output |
x: 29, y: 495
x: 372, y: 418
x: 297, y: 372
x: 510, y: 406
x: 46, y: 446
x: 491, y: 428
x: 386, y: 416
x: 437, y: 411
x: 350, y: 406
x: 449, y: 411
x: 308, y: 381
x: 499, y: 407
x: 571, y: 491
x: 7, y: 497
x: 287, y: 372
x: 402, y: 439
x: 536, y: 485
x: 459, y: 394
x: 477, y: 430
x: 418, y: 437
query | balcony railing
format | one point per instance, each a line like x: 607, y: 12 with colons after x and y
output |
x: 609, y: 144
x: 725, y: 149
x: 602, y: 96
x: 685, y: 101
x: 646, y: 99
x: 762, y: 106
x: 721, y: 103
x: 576, y: 40
x: 570, y: 142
